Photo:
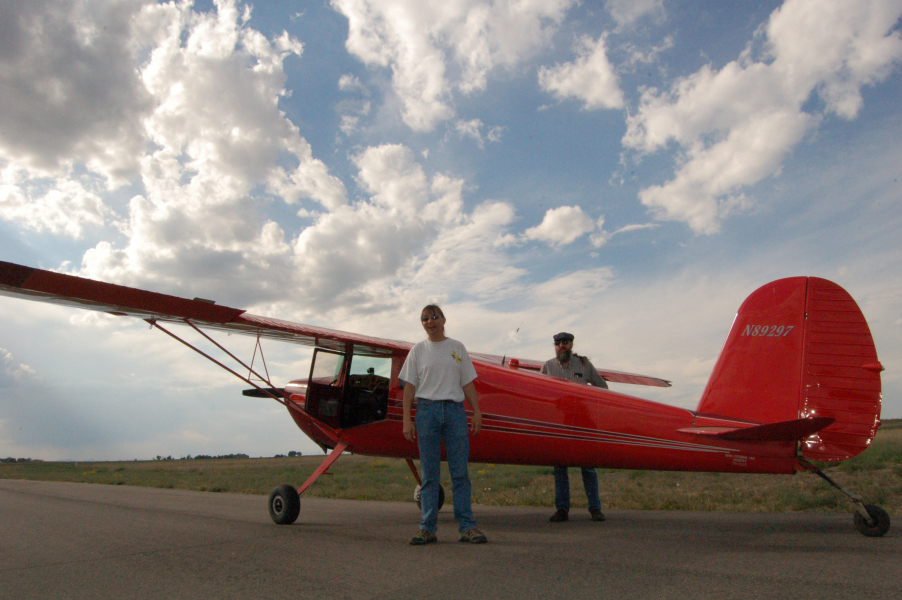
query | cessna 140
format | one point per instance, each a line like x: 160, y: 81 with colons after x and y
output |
x: 797, y: 381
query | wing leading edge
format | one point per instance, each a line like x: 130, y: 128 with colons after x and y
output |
x: 57, y: 288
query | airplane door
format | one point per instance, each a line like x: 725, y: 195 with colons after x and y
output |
x: 325, y: 388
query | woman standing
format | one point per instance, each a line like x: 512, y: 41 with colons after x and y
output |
x: 439, y: 374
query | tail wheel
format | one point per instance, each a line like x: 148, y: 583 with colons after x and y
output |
x: 879, y: 518
x: 284, y: 505
x: 441, y: 497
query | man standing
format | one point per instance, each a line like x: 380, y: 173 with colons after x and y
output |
x: 569, y: 365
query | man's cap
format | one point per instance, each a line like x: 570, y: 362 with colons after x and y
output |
x: 563, y: 337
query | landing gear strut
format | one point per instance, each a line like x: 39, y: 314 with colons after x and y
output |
x: 285, y: 501
x: 870, y: 519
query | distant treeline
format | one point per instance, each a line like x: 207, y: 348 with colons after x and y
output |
x: 291, y: 454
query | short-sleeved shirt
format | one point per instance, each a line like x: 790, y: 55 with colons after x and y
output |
x: 579, y: 369
x: 438, y: 370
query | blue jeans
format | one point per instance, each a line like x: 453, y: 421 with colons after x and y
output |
x: 437, y: 422
x: 562, y: 488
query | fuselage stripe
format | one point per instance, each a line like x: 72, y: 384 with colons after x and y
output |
x: 546, y: 430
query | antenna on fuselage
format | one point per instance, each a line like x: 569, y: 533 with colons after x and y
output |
x: 509, y: 343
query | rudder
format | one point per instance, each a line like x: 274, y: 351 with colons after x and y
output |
x: 799, y: 348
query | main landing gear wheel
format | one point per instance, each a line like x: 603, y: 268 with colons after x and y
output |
x: 879, y: 518
x: 284, y: 505
x: 441, y: 497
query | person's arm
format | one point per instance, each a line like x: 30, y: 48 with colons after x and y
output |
x: 409, y: 429
x: 473, y: 398
x: 594, y: 377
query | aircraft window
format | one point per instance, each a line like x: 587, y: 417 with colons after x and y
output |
x: 327, y: 368
x: 371, y: 365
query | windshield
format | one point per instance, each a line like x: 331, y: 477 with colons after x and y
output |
x: 372, y: 365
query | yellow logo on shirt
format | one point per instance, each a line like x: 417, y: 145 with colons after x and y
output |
x: 456, y: 357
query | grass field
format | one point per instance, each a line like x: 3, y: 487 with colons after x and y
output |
x: 876, y: 475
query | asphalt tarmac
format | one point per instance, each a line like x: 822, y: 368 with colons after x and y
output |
x: 63, y: 540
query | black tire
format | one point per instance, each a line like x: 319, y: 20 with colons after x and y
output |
x: 441, y: 497
x: 284, y: 505
x: 880, y: 518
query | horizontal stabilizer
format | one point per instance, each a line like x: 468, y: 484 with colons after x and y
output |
x: 785, y: 431
x: 264, y: 392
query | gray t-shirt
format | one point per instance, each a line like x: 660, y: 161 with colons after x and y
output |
x: 438, y: 370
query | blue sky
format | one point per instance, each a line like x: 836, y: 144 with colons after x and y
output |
x: 626, y: 170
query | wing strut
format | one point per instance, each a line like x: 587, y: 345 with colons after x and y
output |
x: 333, y: 456
x: 153, y: 323
x: 250, y: 369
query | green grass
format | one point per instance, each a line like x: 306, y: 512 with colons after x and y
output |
x: 876, y: 475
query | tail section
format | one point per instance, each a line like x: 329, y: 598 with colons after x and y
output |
x: 800, y: 348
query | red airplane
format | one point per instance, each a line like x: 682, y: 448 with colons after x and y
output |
x: 797, y: 381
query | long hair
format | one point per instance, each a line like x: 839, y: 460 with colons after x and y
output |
x: 433, y: 309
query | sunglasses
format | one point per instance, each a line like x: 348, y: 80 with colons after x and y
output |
x: 425, y: 318
x: 562, y: 342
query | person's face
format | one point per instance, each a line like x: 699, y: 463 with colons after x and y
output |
x: 563, y: 349
x: 433, y: 323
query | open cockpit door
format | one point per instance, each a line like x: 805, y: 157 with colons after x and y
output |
x: 325, y: 387
x: 345, y: 390
x: 366, y: 396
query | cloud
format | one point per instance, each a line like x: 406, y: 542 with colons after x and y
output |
x: 68, y: 87
x: 12, y: 372
x: 636, y: 227
x: 561, y: 226
x: 590, y: 78
x: 214, y: 139
x: 60, y: 206
x: 214, y: 135
x: 736, y: 125
x: 473, y: 129
x: 411, y: 238
x: 627, y: 12
x: 643, y: 55
x: 188, y: 101
x: 435, y: 48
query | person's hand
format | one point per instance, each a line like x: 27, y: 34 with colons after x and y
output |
x: 476, y: 422
x: 410, y: 430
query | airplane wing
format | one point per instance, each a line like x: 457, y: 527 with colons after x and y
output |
x: 57, y: 288
x: 609, y: 375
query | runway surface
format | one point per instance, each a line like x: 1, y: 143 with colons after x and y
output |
x: 63, y: 540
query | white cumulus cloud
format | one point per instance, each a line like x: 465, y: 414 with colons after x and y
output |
x: 561, y: 226
x: 435, y: 48
x: 590, y: 78
x: 735, y: 125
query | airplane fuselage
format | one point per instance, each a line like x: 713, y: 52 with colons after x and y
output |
x: 533, y: 419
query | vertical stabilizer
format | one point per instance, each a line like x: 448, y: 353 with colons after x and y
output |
x: 800, y: 347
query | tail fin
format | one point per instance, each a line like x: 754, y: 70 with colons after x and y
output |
x: 799, y: 348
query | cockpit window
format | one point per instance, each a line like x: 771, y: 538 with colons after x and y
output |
x: 371, y: 365
x: 327, y: 367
